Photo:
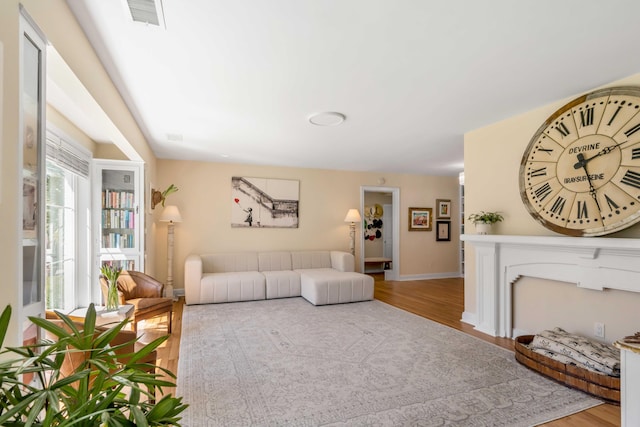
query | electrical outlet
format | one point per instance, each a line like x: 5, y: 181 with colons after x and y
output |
x: 598, y: 329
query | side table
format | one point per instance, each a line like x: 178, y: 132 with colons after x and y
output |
x: 103, y: 316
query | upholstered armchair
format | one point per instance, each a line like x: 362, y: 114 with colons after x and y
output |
x: 73, y: 360
x: 144, y: 293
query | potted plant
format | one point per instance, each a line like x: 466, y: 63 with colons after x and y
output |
x: 111, y: 274
x: 108, y: 388
x: 484, y: 220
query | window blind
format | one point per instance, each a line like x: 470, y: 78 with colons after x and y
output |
x: 67, y: 155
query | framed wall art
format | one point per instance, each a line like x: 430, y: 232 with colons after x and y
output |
x: 264, y: 202
x: 443, y: 231
x: 420, y: 219
x: 443, y: 209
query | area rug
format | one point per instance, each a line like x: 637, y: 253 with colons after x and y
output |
x: 288, y: 363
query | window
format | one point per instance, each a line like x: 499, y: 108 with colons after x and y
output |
x: 67, y: 234
x: 60, y: 239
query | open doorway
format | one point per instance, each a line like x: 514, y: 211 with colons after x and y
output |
x: 380, y: 207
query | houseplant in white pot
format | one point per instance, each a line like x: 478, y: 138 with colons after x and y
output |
x: 483, y: 221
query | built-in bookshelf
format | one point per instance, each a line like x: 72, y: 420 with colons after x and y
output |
x: 121, y: 214
x: 118, y: 219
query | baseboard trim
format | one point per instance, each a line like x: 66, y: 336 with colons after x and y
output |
x: 450, y: 275
x: 469, y: 318
x: 518, y: 332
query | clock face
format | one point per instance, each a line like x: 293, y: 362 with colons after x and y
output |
x: 580, y: 174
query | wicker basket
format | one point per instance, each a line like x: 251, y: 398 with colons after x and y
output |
x: 599, y: 385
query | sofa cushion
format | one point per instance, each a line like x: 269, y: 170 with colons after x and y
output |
x: 232, y: 286
x: 282, y: 284
x: 328, y: 286
x: 229, y: 262
x: 274, y: 261
x: 310, y: 259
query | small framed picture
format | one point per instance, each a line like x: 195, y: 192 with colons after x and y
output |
x: 443, y: 231
x: 420, y: 219
x: 443, y: 209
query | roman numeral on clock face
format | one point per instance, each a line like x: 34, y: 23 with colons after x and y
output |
x: 631, y: 178
x: 586, y: 117
x: 558, y: 205
x: 546, y: 150
x: 635, y: 153
x: 538, y: 172
x: 543, y: 191
x: 562, y: 128
x: 582, y: 210
x: 614, y: 115
x: 612, y: 205
x: 633, y: 130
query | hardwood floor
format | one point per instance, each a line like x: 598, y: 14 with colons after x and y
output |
x: 440, y: 300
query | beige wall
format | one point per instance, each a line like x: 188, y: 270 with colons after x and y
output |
x: 492, y: 162
x: 204, y: 199
x: 60, y: 122
x: 61, y: 29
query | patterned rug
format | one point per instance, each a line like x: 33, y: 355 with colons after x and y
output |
x: 288, y: 363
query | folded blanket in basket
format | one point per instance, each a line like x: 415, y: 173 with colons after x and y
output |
x: 592, y: 355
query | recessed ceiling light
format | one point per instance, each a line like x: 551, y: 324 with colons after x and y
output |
x: 174, y: 137
x: 329, y: 118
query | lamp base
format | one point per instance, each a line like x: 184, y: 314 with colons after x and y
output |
x: 168, y: 291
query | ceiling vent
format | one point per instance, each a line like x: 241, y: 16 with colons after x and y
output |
x: 147, y: 11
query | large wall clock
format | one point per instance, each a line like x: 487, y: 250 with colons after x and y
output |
x: 580, y: 173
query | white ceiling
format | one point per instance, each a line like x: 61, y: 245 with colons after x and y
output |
x: 235, y: 81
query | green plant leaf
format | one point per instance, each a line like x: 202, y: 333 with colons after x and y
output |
x: 106, y: 386
x: 5, y: 318
x: 138, y: 416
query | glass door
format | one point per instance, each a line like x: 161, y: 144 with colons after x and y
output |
x: 32, y: 155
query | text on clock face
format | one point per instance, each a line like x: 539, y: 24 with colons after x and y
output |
x: 581, y: 178
x: 583, y: 148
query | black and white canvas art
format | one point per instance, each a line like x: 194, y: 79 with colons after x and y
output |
x: 264, y: 202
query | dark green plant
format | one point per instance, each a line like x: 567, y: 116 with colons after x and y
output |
x: 106, y: 389
x: 485, y: 217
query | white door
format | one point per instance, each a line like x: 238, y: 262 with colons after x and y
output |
x: 387, y: 231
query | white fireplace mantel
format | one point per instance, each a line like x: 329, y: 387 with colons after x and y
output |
x: 593, y: 263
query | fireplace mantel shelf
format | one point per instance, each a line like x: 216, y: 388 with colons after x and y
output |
x: 594, y: 263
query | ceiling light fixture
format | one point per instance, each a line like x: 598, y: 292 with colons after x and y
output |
x: 329, y: 118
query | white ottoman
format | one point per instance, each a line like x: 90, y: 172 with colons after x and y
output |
x: 328, y: 286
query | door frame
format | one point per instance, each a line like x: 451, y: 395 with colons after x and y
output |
x: 394, y: 272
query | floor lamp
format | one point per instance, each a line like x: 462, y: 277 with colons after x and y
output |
x: 170, y: 214
x: 353, y: 216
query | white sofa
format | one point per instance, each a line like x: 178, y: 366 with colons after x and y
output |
x: 321, y: 277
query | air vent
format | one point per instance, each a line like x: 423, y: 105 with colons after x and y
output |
x: 146, y: 11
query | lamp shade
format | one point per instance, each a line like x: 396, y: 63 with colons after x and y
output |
x: 352, y: 216
x: 170, y: 214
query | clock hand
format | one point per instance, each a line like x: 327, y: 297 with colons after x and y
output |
x: 606, y: 150
x: 581, y: 162
x: 592, y: 190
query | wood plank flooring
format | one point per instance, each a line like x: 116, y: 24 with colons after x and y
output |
x: 440, y: 300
